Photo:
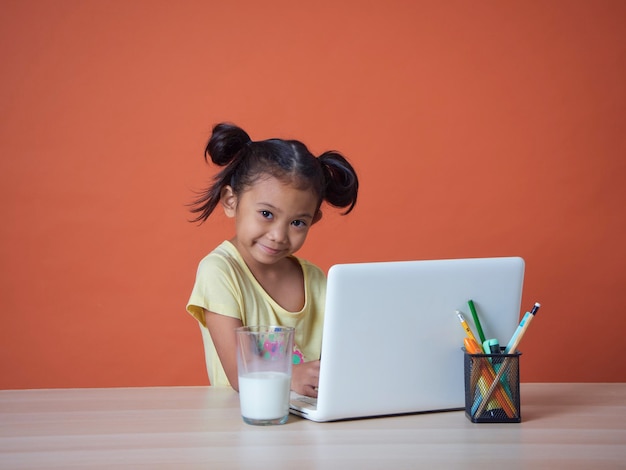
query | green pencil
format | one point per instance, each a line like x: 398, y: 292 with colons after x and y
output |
x: 481, y: 335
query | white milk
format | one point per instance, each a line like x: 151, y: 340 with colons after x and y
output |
x: 264, y: 395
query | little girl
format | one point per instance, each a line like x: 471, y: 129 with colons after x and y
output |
x: 273, y: 189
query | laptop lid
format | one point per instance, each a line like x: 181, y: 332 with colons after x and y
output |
x: 392, y: 340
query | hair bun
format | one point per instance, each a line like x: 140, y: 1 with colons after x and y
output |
x: 225, y: 143
x: 342, y: 184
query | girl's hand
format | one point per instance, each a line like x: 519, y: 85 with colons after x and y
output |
x: 305, y: 378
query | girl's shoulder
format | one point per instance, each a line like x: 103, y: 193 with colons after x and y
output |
x: 308, y: 266
x: 224, y: 257
x: 313, y: 274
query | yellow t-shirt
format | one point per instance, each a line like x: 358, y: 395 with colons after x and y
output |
x: 225, y: 285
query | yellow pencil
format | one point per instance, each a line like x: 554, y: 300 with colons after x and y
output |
x: 466, y: 327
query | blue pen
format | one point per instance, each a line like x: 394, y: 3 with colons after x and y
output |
x: 520, y: 329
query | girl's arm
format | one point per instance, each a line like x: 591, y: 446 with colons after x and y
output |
x: 222, y: 329
x: 305, y: 376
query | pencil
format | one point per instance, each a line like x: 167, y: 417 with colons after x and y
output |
x: 481, y: 334
x: 465, y: 326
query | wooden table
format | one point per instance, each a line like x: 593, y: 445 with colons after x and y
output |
x: 565, y: 426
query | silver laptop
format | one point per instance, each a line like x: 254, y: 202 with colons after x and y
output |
x: 392, y: 340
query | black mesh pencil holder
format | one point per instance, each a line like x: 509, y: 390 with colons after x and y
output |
x: 492, y: 388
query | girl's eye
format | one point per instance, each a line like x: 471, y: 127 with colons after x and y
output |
x: 298, y: 223
x: 266, y: 214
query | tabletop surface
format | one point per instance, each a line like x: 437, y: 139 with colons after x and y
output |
x: 563, y: 426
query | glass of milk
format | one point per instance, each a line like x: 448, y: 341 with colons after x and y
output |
x: 264, y: 361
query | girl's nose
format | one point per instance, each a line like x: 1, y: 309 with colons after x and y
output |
x: 278, y: 233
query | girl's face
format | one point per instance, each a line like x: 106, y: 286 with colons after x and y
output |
x: 272, y: 219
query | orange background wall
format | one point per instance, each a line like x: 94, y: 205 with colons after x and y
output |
x: 478, y: 128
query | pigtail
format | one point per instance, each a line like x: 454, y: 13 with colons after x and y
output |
x: 342, y: 184
x: 225, y: 148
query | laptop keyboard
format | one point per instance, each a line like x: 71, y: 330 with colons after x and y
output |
x: 304, y: 401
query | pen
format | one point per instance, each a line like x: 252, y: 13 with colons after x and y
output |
x: 466, y: 327
x: 521, y: 329
x: 481, y: 335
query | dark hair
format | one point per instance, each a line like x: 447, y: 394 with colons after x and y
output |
x: 330, y: 175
